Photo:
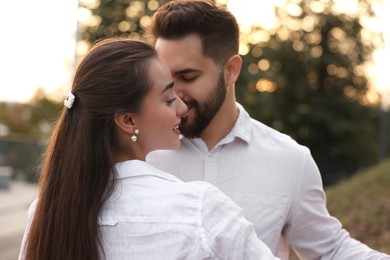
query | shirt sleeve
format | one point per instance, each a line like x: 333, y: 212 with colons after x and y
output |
x: 312, y: 231
x: 228, y: 234
x: 30, y: 216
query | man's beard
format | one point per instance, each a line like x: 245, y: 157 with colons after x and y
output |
x: 204, y: 113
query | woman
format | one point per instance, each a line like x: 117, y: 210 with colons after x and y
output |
x: 98, y: 199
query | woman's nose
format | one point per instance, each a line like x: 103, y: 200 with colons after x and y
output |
x: 181, y: 107
x: 178, y: 88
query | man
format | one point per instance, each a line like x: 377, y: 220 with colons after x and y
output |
x: 274, y: 179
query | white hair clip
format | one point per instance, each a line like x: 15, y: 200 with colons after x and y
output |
x: 69, y: 100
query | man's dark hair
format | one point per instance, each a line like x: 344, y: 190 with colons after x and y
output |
x: 217, y: 27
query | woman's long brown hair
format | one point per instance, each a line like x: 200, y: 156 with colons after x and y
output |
x: 77, y: 165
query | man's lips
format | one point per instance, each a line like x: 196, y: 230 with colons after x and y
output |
x: 189, y: 105
x: 190, y: 102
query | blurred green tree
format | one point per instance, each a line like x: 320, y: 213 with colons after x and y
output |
x: 28, y: 127
x: 44, y: 113
x: 308, y: 81
x: 305, y: 77
x: 108, y: 18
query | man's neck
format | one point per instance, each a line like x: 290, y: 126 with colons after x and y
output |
x: 221, y: 125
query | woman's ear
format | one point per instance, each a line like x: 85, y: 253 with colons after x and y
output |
x: 125, y: 122
x: 232, y: 69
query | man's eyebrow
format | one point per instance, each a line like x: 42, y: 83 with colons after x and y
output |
x: 184, y: 71
x: 170, y: 85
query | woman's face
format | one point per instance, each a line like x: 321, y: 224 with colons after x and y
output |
x: 159, y: 118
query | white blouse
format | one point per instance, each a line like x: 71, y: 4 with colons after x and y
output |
x: 277, y: 184
x: 154, y: 215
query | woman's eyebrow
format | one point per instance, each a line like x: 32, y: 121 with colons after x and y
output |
x: 169, y: 86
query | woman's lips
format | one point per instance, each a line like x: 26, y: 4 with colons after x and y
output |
x: 176, y: 129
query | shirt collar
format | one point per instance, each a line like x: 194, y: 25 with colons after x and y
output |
x: 242, y: 128
x: 134, y: 168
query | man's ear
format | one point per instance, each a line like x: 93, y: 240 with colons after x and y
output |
x: 232, y: 69
x: 125, y: 121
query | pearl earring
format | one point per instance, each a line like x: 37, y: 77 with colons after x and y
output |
x: 134, y: 136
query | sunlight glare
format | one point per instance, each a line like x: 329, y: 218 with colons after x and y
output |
x: 378, y: 71
x: 39, y: 48
x: 349, y: 7
x: 253, y: 12
x: 264, y: 85
x: 294, y: 10
x: 317, y: 7
x: 90, y: 4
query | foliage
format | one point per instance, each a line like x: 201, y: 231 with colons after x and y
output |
x: 117, y: 18
x: 23, y: 155
x: 28, y: 127
x: 362, y: 205
x: 44, y: 112
x: 32, y: 120
x: 313, y: 88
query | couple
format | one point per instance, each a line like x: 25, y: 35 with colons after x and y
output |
x: 100, y: 199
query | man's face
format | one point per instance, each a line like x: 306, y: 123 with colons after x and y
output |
x: 198, y: 81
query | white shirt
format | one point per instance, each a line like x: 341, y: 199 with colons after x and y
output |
x: 275, y: 181
x: 153, y: 215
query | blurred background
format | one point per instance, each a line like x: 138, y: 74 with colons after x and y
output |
x: 316, y: 70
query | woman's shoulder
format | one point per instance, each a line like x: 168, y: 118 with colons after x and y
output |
x: 31, y: 209
x: 151, y: 193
